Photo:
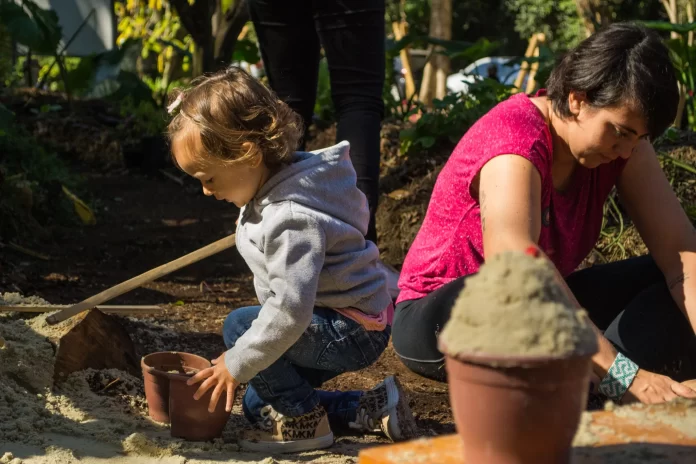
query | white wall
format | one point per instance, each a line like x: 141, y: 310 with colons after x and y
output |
x: 97, y: 35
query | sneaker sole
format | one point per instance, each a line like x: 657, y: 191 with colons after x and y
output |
x: 298, y: 446
x: 401, y: 424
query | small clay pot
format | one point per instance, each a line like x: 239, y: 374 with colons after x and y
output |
x: 190, y: 418
x: 519, y: 412
x: 158, y: 369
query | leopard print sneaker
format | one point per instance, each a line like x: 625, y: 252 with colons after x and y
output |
x: 277, y: 433
x: 385, y: 410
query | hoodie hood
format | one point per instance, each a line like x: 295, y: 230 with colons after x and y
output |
x: 323, y: 180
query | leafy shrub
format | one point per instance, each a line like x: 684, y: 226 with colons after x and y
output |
x: 558, y: 20
x: 453, y: 115
x: 30, y: 183
x: 143, y: 116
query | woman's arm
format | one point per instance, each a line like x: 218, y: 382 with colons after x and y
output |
x: 509, y: 192
x: 663, y: 225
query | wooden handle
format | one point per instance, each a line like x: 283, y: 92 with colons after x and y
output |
x: 149, y: 276
x: 109, y: 309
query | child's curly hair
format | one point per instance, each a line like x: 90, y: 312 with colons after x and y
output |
x: 229, y: 108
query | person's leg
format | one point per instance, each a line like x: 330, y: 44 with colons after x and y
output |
x: 235, y: 325
x: 331, y: 345
x: 654, y: 333
x: 290, y: 51
x: 352, y: 35
x: 278, y: 381
x: 606, y: 289
x: 292, y: 419
x: 346, y: 346
x: 418, y: 323
x: 629, y: 301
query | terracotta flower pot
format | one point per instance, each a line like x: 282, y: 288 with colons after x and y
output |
x: 190, y: 418
x: 170, y: 400
x: 518, y: 415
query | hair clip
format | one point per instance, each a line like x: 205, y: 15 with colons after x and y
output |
x: 175, y: 104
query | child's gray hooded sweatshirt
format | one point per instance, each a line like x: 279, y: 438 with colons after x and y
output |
x: 303, y: 238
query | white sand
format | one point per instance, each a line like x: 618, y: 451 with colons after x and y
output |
x: 97, y: 417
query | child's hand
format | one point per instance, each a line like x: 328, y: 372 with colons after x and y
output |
x: 217, y: 376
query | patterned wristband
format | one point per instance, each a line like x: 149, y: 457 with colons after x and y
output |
x: 619, y: 378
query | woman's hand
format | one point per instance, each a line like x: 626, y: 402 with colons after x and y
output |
x: 650, y: 388
x: 219, y: 377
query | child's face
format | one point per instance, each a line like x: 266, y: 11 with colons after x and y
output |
x: 235, y: 184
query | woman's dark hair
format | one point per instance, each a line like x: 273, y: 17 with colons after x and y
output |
x: 620, y: 63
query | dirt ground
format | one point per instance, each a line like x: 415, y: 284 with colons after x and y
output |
x: 146, y: 221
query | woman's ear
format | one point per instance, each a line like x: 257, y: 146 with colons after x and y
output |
x: 576, y: 100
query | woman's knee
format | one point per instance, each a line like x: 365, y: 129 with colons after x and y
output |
x: 433, y: 370
x: 237, y: 323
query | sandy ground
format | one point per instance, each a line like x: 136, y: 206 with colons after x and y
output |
x: 97, y: 416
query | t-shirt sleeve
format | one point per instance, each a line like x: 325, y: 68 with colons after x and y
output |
x: 514, y: 127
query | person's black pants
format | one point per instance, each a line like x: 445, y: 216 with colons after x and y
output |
x: 290, y: 34
x: 628, y: 300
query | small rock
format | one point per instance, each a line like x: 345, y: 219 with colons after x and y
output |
x: 6, y: 458
x: 16, y: 461
x: 609, y: 406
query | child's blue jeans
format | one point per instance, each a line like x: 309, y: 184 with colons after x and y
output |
x: 331, y: 345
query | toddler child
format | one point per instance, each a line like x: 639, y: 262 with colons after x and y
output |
x: 325, y: 308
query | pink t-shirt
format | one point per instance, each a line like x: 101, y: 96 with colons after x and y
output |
x: 450, y: 243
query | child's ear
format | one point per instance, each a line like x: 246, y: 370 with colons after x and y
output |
x: 251, y: 150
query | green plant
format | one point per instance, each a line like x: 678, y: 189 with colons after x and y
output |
x: 6, y: 117
x: 30, y: 184
x: 38, y: 30
x: 453, y: 115
x: 323, y: 106
x: 612, y: 231
x: 146, y: 118
x: 684, y: 59
x: 558, y: 20
x: 165, y: 46
x: 53, y: 77
x: 31, y: 25
x: 6, y: 67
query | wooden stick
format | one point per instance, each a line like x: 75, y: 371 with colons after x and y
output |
x: 531, y: 80
x: 399, y: 33
x: 171, y: 176
x: 524, y: 67
x: 110, y: 384
x: 28, y: 252
x: 113, y: 309
x: 144, y: 278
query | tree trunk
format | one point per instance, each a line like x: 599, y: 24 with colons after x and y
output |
x: 214, y: 32
x: 594, y: 14
x: 228, y: 30
x: 444, y: 31
x: 440, y: 28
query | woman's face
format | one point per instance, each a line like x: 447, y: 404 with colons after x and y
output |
x: 600, y: 135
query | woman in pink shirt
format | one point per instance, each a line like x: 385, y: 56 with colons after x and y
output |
x: 536, y: 172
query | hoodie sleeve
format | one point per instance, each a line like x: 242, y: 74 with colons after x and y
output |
x: 294, y: 250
